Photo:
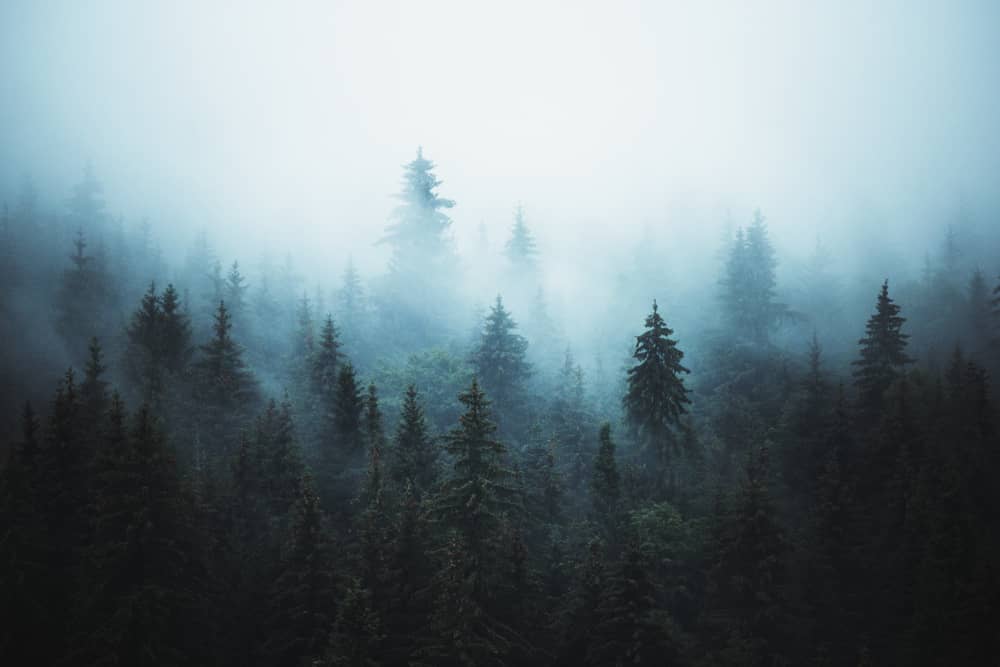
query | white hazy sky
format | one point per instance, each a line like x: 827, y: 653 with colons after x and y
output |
x: 256, y: 118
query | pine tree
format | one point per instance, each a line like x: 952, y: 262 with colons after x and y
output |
x: 414, y: 457
x: 656, y: 395
x: 349, y: 407
x: 580, y: 624
x: 138, y: 575
x: 629, y: 628
x: 235, y: 291
x: 746, y: 591
x: 605, y: 482
x: 501, y: 365
x: 473, y: 505
x: 325, y: 364
x: 144, y: 356
x: 748, y: 287
x: 351, y: 301
x: 225, y: 376
x: 407, y: 578
x: 25, y: 621
x: 304, y: 343
x: 82, y: 299
x: 226, y: 388
x: 521, y: 250
x: 357, y: 634
x: 417, y: 236
x: 303, y: 598
x: 175, y: 332
x: 94, y: 388
x: 883, y: 354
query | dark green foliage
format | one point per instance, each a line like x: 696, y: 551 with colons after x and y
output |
x: 348, y: 409
x: 224, y: 377
x: 629, y: 629
x: 747, y: 578
x: 414, y: 455
x: 303, y: 597
x: 605, y: 486
x: 501, y: 366
x: 137, y: 575
x: 24, y: 549
x: 472, y: 506
x: 883, y: 353
x: 357, y: 635
x: 656, y: 396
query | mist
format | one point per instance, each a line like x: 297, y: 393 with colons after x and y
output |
x: 676, y: 262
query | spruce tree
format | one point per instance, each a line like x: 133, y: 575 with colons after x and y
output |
x: 501, y: 366
x: 144, y: 357
x: 629, y: 629
x: 747, y: 580
x: 414, y: 456
x: 175, y: 332
x: 225, y: 387
x: 748, y: 285
x: 349, y: 407
x: 883, y: 354
x: 521, y: 250
x: 605, y: 483
x: 357, y: 636
x: 139, y: 574
x: 325, y: 365
x: 656, y: 396
x: 25, y: 621
x: 417, y: 236
x: 472, y: 505
x: 94, y: 388
x: 303, y: 597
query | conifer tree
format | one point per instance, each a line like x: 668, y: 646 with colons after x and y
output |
x: 94, y: 388
x: 629, y: 628
x: 472, y: 504
x: 414, y: 457
x: 501, y: 366
x: 656, y: 396
x: 225, y: 386
x: 224, y: 372
x: 144, y: 356
x: 138, y: 602
x: 25, y: 621
x: 304, y: 597
x: 325, y: 365
x: 349, y: 407
x: 605, y: 483
x: 748, y: 286
x: 580, y: 625
x: 357, y: 636
x: 235, y: 291
x: 883, y: 353
x: 747, y: 579
x: 521, y: 250
x: 417, y: 236
x: 175, y: 331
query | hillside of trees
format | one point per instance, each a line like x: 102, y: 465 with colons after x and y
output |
x: 209, y: 462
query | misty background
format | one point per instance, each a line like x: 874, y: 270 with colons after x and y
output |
x: 499, y: 333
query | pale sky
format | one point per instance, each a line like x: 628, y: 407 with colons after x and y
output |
x: 284, y: 124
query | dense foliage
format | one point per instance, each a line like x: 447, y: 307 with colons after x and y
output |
x: 240, y: 473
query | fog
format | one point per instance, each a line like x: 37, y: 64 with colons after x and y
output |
x: 520, y: 333
x: 284, y: 127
